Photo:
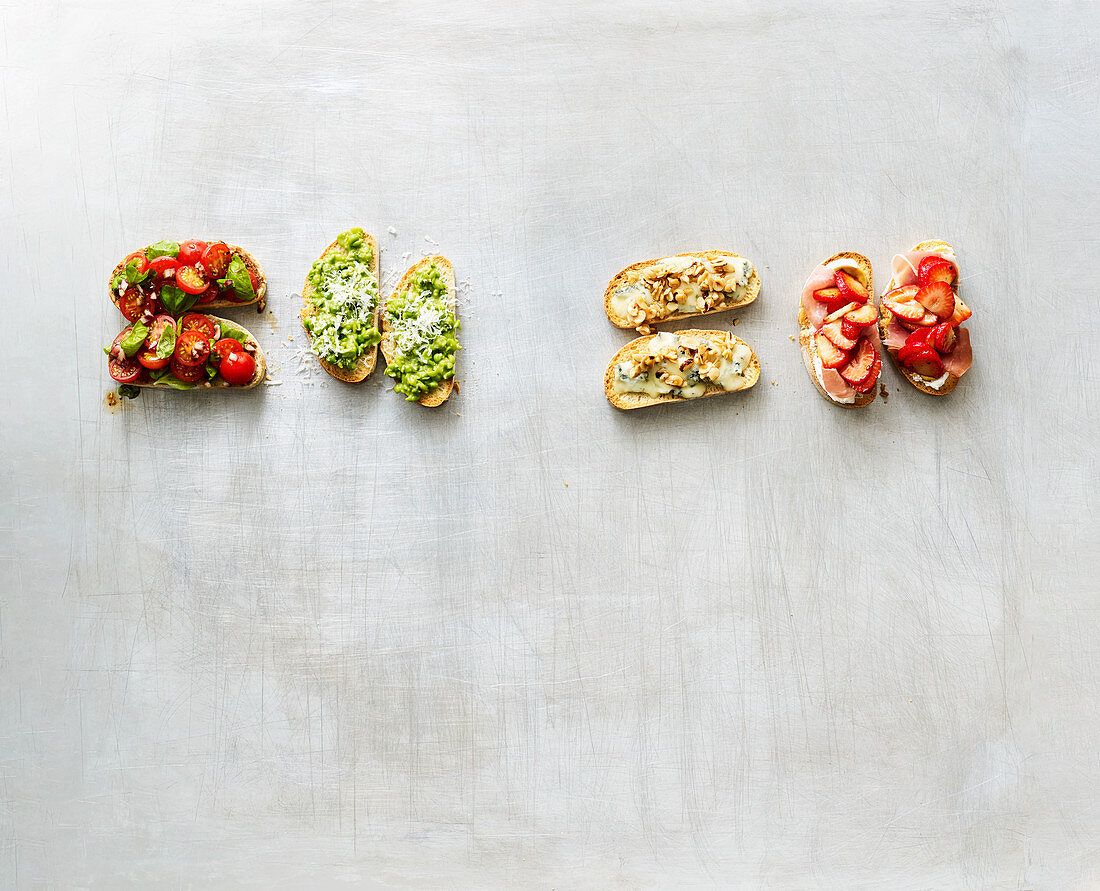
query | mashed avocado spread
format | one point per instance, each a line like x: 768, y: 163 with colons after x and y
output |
x: 345, y: 293
x: 423, y: 329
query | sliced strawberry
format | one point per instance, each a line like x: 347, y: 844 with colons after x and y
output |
x: 862, y: 362
x: 938, y: 299
x: 936, y: 269
x: 850, y: 329
x: 921, y: 359
x: 919, y: 337
x: 835, y: 332
x: 862, y: 315
x: 869, y: 382
x: 962, y: 313
x: 924, y: 321
x: 840, y: 313
x: 827, y: 295
x: 850, y: 288
x: 831, y: 355
x: 904, y: 294
x: 906, y: 312
x: 942, y: 338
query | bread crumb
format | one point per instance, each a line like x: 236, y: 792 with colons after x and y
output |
x: 392, y: 231
x: 790, y: 337
x: 735, y: 321
x: 567, y: 485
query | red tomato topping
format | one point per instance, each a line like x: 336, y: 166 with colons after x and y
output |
x: 216, y: 259
x: 196, y: 321
x: 190, y: 280
x: 139, y: 256
x: 123, y: 370
x: 132, y: 303
x: 148, y: 354
x: 237, y: 367
x: 224, y: 347
x: 191, y: 252
x: 164, y: 267
x: 189, y: 374
x: 192, y: 348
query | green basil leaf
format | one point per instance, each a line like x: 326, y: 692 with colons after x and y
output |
x: 134, y: 340
x: 170, y: 380
x: 167, y: 343
x: 133, y: 276
x: 176, y: 300
x: 211, y: 372
x: 129, y: 391
x: 231, y: 330
x: 163, y: 249
x: 238, y: 277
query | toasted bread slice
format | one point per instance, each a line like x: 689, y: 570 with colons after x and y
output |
x: 249, y: 261
x: 442, y: 392
x: 366, y: 362
x: 745, y: 297
x: 218, y: 383
x: 808, y: 344
x: 885, y: 317
x: 639, y: 347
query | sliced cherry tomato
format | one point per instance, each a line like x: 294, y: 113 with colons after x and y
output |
x: 192, y: 348
x: 133, y: 303
x: 148, y: 354
x: 210, y: 294
x: 164, y: 267
x: 196, y: 321
x: 216, y: 259
x: 237, y: 367
x: 190, y: 280
x: 255, y: 279
x: 123, y: 370
x: 142, y: 261
x: 224, y: 347
x: 191, y: 252
x: 189, y: 374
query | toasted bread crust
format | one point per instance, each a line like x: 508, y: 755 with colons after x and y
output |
x: 884, y: 317
x: 249, y: 261
x: 752, y: 290
x: 366, y: 362
x: 219, y: 384
x: 628, y: 401
x: 441, y: 393
x: 806, y: 333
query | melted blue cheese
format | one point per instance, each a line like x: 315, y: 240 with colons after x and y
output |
x: 631, y: 299
x: 683, y: 365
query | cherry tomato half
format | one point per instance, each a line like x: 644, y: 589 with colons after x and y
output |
x: 191, y: 252
x: 142, y: 262
x: 216, y: 259
x: 189, y: 374
x: 192, y: 348
x: 224, y: 347
x: 237, y: 368
x: 210, y: 294
x: 123, y: 370
x: 190, y: 280
x: 196, y: 321
x: 133, y: 303
x: 164, y: 267
x: 148, y: 354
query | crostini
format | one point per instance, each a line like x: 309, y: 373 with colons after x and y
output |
x: 837, y: 331
x: 921, y: 316
x: 680, y: 287
x: 419, y: 332
x: 172, y: 277
x: 340, y: 306
x: 197, y: 351
x: 681, y: 367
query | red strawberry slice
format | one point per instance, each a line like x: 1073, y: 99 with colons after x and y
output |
x: 962, y: 313
x: 840, y: 313
x: 942, y: 338
x: 906, y: 312
x: 869, y: 382
x: 835, y: 332
x: 849, y: 287
x: 860, y: 366
x: 921, y: 359
x: 938, y: 299
x: 904, y: 294
x: 831, y: 355
x: 936, y: 269
x: 919, y: 337
x: 851, y: 329
x: 827, y: 295
x: 863, y: 315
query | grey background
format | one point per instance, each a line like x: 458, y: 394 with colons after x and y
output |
x: 312, y: 636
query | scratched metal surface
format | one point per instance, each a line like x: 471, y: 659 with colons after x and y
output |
x: 311, y: 636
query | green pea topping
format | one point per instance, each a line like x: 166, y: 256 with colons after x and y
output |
x: 424, y: 329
